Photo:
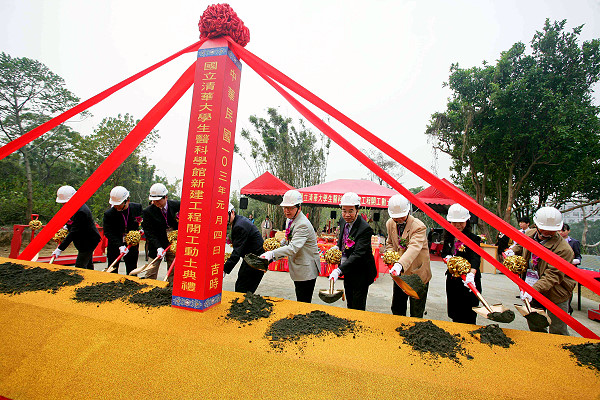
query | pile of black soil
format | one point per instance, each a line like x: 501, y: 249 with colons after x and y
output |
x: 315, y: 323
x: 587, y: 354
x: 426, y: 337
x: 505, y: 317
x: 157, y: 297
x: 251, y: 308
x: 16, y: 278
x: 108, y: 291
x: 492, y: 335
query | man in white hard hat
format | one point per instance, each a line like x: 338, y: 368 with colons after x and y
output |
x: 408, y: 236
x: 159, y: 218
x: 123, y: 216
x: 357, y: 265
x: 300, y: 247
x: 82, y: 231
x: 245, y: 239
x: 554, y: 284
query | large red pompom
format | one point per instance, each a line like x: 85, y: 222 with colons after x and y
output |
x: 220, y: 20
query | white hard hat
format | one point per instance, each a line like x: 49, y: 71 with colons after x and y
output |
x: 64, y: 193
x: 398, y: 206
x: 157, y: 191
x: 457, y: 213
x: 118, y: 195
x: 231, y: 208
x: 350, y: 199
x: 291, y: 198
x: 548, y: 219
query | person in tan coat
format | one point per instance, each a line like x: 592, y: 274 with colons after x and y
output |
x: 408, y: 236
x: 554, y: 284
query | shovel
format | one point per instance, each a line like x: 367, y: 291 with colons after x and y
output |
x: 138, y: 271
x: 412, y: 285
x: 497, y: 312
x: 111, y: 267
x: 331, y: 296
x: 256, y: 262
x: 537, y: 318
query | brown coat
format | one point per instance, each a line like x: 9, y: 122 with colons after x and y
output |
x: 553, y: 283
x: 415, y: 259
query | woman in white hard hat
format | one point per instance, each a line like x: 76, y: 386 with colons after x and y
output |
x: 301, y: 248
x: 543, y: 277
x: 123, y: 216
x: 460, y: 299
x: 357, y: 265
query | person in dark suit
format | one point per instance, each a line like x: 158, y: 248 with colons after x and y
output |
x: 245, y: 239
x: 159, y: 218
x: 82, y: 231
x: 122, y: 217
x: 459, y: 297
x: 358, y: 264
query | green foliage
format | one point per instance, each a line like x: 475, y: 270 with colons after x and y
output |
x: 525, y: 128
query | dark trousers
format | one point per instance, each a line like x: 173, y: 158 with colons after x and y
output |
x: 248, y: 279
x: 461, y: 301
x: 85, y: 259
x: 400, y: 301
x: 130, y: 258
x: 304, y: 290
x: 356, y: 294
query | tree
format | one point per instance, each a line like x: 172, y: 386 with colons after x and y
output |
x: 294, y: 154
x: 386, y: 163
x: 525, y: 130
x: 31, y: 94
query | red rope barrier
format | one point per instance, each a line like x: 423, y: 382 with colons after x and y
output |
x: 35, y: 133
x: 112, y: 162
x: 446, y: 187
x: 336, y: 137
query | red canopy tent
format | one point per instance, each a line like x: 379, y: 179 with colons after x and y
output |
x: 435, y: 199
x: 329, y: 194
x: 267, y: 188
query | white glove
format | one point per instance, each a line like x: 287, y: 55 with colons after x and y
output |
x: 469, y: 278
x: 335, y: 274
x: 447, y: 258
x: 525, y: 295
x: 576, y: 261
x: 508, y: 253
x: 160, y: 252
x: 334, y: 248
x: 56, y: 252
x: 124, y: 250
x: 396, y: 269
x: 267, y: 255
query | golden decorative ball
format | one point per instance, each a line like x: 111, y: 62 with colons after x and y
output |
x: 171, y: 236
x: 458, y: 266
x: 333, y: 256
x: 173, y: 247
x: 35, y: 224
x: 391, y: 257
x: 60, y: 235
x: 227, y: 255
x: 515, y: 264
x: 133, y: 238
x: 271, y: 244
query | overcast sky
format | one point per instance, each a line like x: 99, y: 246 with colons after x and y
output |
x: 382, y: 63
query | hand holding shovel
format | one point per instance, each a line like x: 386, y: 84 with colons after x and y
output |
x: 111, y: 267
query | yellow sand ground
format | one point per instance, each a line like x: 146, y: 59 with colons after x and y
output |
x: 53, y: 347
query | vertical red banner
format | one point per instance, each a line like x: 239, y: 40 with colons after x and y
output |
x: 198, y: 272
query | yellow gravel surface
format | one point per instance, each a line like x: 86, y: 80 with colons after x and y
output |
x: 53, y: 347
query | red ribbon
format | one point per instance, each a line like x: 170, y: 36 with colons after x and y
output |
x: 112, y: 162
x: 336, y: 137
x: 35, y: 133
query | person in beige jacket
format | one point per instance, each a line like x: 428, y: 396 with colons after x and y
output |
x: 408, y: 236
x: 543, y: 277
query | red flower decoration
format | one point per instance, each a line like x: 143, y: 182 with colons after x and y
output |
x: 220, y: 20
x: 138, y: 220
x: 70, y: 222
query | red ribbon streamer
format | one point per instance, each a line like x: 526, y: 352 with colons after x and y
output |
x: 445, y: 187
x: 112, y: 162
x: 35, y: 133
x: 336, y: 137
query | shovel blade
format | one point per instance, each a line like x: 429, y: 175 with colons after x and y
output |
x: 537, y: 317
x: 328, y: 297
x: 256, y: 262
x: 502, y: 313
x: 406, y: 288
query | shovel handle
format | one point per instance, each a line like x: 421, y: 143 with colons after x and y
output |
x: 528, y: 306
x: 110, y: 267
x: 476, y: 293
x: 331, y: 286
x: 51, y: 259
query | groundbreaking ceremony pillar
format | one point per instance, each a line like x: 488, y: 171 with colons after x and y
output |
x: 198, y: 270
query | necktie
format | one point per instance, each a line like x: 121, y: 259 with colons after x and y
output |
x: 346, y: 234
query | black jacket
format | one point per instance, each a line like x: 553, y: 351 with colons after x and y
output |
x: 359, y: 267
x: 154, y: 224
x: 82, y: 231
x: 473, y: 258
x: 245, y: 239
x: 114, y: 223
